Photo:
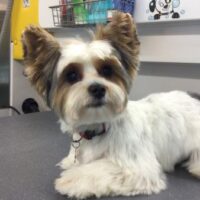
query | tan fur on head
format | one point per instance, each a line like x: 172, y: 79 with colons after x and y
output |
x: 121, y: 32
x: 41, y: 51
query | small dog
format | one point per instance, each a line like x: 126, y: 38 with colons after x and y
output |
x: 119, y: 147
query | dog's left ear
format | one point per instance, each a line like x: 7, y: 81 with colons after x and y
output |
x: 41, y: 53
x: 121, y: 33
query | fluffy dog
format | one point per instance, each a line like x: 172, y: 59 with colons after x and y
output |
x: 120, y: 147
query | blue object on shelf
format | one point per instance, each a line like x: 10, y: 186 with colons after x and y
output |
x: 98, y: 11
x: 124, y: 5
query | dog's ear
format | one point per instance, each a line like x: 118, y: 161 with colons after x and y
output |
x: 152, y: 5
x: 121, y: 33
x: 41, y: 53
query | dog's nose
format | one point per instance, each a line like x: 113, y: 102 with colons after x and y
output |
x: 97, y: 90
x: 166, y: 6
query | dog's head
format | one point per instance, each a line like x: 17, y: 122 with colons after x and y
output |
x: 84, y: 82
x: 161, y: 5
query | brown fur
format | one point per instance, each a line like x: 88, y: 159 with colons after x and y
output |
x: 118, y: 76
x: 62, y: 89
x: 41, y: 52
x: 59, y: 98
x: 121, y: 32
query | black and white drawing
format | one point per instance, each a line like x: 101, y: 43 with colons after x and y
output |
x: 164, y: 9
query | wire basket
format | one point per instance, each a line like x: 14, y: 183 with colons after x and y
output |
x: 88, y: 12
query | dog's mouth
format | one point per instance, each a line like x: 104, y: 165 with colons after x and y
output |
x: 165, y: 9
x: 96, y: 104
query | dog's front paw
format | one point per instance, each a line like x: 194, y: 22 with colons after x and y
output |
x: 73, y: 186
x: 67, y: 162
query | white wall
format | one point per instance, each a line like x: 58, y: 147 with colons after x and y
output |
x: 45, y: 13
x: 21, y: 89
x: 161, y: 77
x: 179, y: 66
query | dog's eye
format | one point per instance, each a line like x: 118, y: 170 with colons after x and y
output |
x: 73, y: 76
x: 161, y: 4
x: 106, y: 71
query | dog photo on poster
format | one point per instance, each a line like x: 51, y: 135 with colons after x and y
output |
x: 165, y: 9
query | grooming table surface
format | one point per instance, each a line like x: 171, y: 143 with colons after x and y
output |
x: 30, y: 147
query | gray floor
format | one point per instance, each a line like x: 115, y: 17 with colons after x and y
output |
x: 31, y: 145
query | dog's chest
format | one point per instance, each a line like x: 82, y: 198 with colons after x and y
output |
x: 94, y: 149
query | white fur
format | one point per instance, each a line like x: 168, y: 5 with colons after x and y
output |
x: 82, y: 52
x: 148, y: 138
x: 76, y: 110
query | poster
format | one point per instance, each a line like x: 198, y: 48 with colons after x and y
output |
x: 166, y: 10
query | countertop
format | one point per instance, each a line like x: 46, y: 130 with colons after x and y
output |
x: 31, y: 146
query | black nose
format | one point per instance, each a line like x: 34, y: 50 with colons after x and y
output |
x: 97, y: 90
x: 166, y: 6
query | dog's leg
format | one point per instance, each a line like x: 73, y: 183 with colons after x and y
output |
x: 175, y: 15
x: 157, y: 16
x: 103, y: 178
x: 68, y: 161
x: 194, y: 163
x: 92, y: 179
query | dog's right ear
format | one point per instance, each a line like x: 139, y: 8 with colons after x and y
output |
x: 152, y: 5
x: 122, y: 34
x: 41, y: 53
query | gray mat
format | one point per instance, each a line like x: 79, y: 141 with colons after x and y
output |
x: 31, y: 145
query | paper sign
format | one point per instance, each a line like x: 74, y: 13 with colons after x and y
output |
x: 166, y: 10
